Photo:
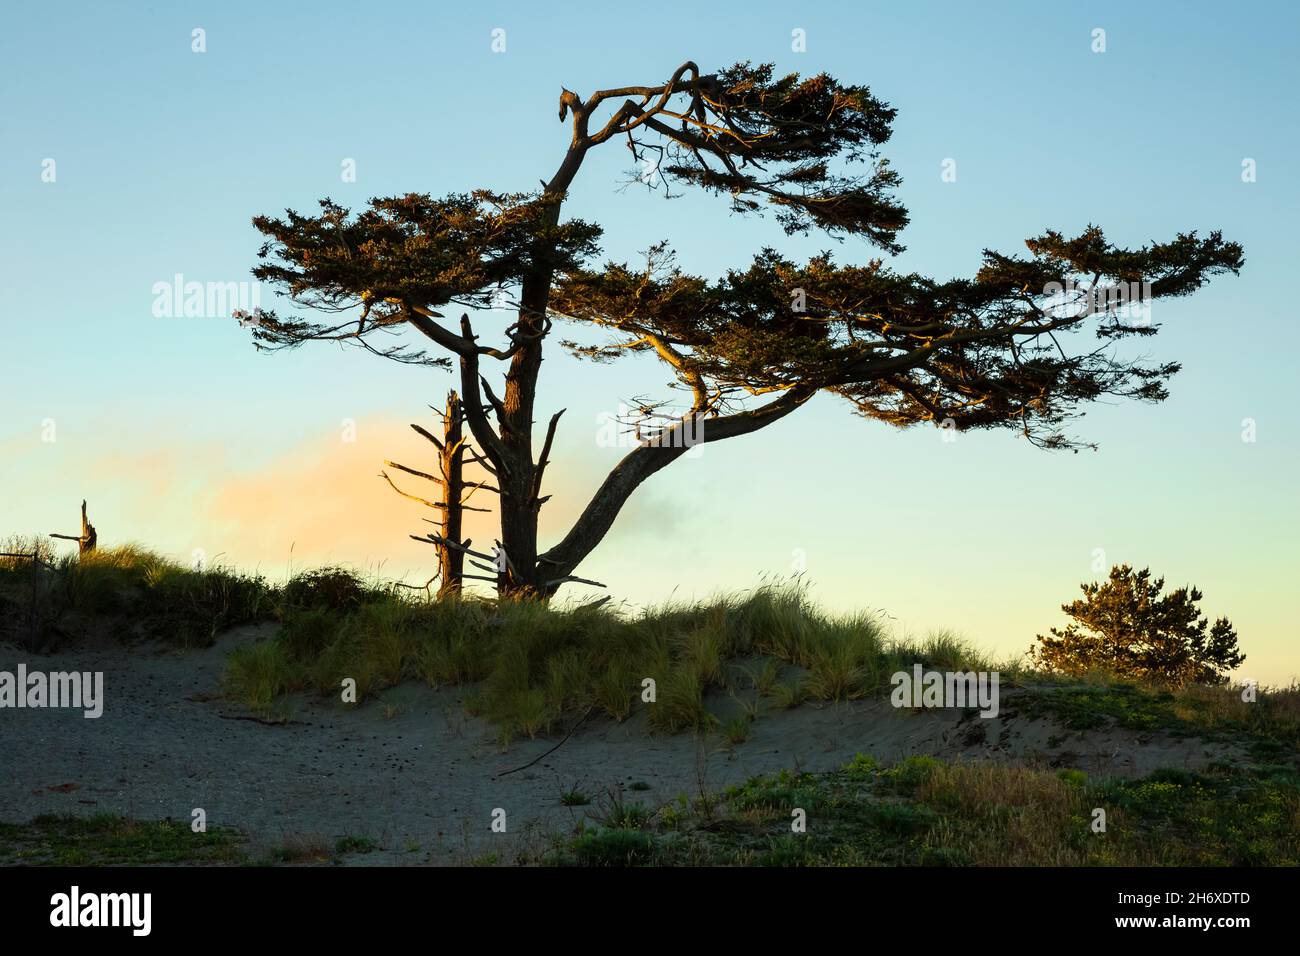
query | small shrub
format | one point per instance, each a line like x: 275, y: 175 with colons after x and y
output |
x: 861, y: 767
x: 259, y: 673
x: 680, y: 703
x: 614, y: 691
x: 736, y: 730
x: 1073, y: 778
x: 615, y: 848
x: 911, y: 772
x: 355, y: 844
x: 306, y: 634
x: 902, y: 818
x: 626, y: 816
x: 333, y: 589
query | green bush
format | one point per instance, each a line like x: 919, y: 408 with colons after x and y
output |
x: 335, y: 589
x: 617, y: 847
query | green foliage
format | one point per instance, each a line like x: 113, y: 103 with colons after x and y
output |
x: 910, y: 773
x: 621, y: 815
x: 614, y: 848
x: 327, y: 589
x: 258, y: 674
x: 742, y: 331
x: 680, y: 704
x: 861, y: 767
x: 1073, y: 778
x: 777, y: 794
x: 902, y: 818
x: 306, y: 634
x: 144, y: 595
x: 108, y: 839
x: 786, y: 850
x: 1128, y: 628
x: 355, y: 844
x: 1269, y: 723
x: 411, y: 249
x: 736, y: 730
x: 934, y: 813
x: 534, y: 666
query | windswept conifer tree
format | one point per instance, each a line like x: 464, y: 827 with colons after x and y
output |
x: 1023, y: 344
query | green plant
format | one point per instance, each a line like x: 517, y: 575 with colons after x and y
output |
x: 1127, y: 626
x: 257, y: 674
x: 861, y: 767
x: 1073, y: 778
x: 530, y: 668
x: 332, y: 589
x: 736, y: 730
x: 910, y: 773
x: 625, y: 816
x: 355, y: 844
x: 680, y: 702
x: 618, y: 847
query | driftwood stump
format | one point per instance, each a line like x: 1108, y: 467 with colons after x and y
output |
x: 87, y: 540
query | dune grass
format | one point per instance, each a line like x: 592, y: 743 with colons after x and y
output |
x: 531, y: 664
x: 927, y: 812
x: 526, y: 666
x: 144, y: 594
x: 716, y: 665
x: 1269, y: 723
x: 110, y: 840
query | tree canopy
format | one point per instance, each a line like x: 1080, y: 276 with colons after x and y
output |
x: 1128, y: 627
x: 1024, y: 344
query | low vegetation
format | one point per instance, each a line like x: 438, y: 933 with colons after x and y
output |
x: 1267, y: 720
x: 110, y: 840
x: 532, y: 668
x: 927, y: 812
x: 526, y: 665
x: 126, y: 590
x: 1131, y: 628
x: 920, y: 811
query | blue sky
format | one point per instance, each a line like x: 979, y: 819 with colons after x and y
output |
x: 178, y: 432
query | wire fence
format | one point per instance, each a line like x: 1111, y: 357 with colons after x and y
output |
x: 39, y: 578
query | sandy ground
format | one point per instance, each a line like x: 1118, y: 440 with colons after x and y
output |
x: 418, y: 772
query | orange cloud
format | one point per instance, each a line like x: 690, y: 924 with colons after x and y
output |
x: 325, y: 499
x: 319, y: 502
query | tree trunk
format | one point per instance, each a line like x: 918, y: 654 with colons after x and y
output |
x: 639, y: 464
x: 520, y: 492
x: 510, y: 445
x: 451, y: 561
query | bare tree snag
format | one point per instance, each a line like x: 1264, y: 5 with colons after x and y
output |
x: 87, y: 540
x: 455, y: 492
x: 451, y: 562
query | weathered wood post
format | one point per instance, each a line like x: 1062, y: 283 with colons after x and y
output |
x: 88, y: 538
